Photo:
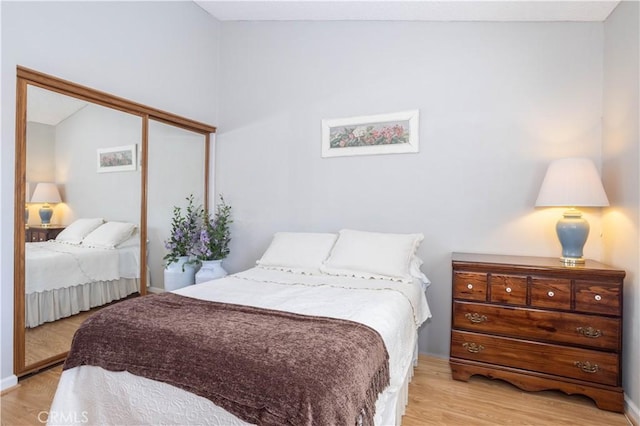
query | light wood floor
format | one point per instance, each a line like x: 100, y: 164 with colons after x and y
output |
x: 434, y: 399
x: 52, y: 338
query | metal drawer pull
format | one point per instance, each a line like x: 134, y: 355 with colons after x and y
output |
x: 474, y: 348
x: 508, y: 289
x: 589, y: 332
x: 469, y: 286
x: 475, y: 317
x: 587, y: 367
x: 551, y: 294
x: 598, y: 297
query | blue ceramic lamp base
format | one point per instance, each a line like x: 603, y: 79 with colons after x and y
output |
x: 45, y: 215
x: 572, y: 231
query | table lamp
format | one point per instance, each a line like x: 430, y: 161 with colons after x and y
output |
x: 46, y: 192
x: 572, y: 182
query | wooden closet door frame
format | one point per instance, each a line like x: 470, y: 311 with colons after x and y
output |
x: 25, y: 77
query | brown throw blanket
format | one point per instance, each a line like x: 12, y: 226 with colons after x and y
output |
x: 264, y: 366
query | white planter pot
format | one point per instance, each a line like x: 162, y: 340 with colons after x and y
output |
x: 210, y: 270
x: 175, y: 276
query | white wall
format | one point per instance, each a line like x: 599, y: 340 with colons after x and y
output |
x: 87, y: 193
x: 497, y: 102
x: 621, y: 177
x: 40, y: 167
x: 41, y: 144
x: 163, y: 54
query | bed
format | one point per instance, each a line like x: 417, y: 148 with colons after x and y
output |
x: 287, y: 281
x: 80, y: 270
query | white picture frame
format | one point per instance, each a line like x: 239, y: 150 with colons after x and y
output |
x: 394, y: 133
x: 117, y: 159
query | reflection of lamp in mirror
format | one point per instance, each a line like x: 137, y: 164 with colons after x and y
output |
x: 572, y: 182
x: 26, y: 205
x: 46, y: 192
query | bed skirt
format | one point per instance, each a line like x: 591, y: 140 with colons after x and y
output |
x: 52, y: 305
x: 393, y: 409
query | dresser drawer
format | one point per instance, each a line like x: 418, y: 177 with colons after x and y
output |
x: 559, y: 327
x: 35, y: 233
x: 598, y: 297
x: 511, y: 289
x: 552, y: 293
x: 36, y: 236
x: 582, y: 364
x: 470, y: 285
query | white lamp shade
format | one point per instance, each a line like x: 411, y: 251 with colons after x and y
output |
x: 46, y: 192
x: 572, y: 182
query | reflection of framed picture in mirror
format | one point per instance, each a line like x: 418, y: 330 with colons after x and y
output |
x: 117, y: 159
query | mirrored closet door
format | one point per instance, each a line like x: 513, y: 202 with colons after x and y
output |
x: 97, y: 177
x: 176, y: 171
x: 64, y: 281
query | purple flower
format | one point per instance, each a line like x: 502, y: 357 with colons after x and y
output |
x: 198, y: 235
x: 184, y: 229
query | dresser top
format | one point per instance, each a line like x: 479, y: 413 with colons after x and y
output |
x: 541, y: 263
x: 46, y: 227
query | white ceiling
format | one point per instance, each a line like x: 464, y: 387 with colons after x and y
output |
x: 417, y: 10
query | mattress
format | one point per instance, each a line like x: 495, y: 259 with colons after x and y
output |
x: 53, y: 265
x: 63, y: 279
x: 395, y: 310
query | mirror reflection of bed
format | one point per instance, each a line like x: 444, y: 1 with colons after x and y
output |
x: 90, y: 264
x: 63, y: 287
x: 67, y: 279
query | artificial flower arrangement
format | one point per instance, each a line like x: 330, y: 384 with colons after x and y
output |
x: 212, y: 242
x: 184, y: 228
x: 198, y: 235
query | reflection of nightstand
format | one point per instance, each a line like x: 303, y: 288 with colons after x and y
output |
x: 37, y: 233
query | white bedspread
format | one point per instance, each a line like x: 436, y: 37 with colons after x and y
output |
x: 393, y: 309
x: 53, y: 265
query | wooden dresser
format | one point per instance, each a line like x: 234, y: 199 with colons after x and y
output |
x: 36, y: 233
x: 539, y: 325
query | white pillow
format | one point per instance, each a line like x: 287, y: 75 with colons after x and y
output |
x: 109, y: 235
x: 74, y: 233
x: 414, y: 270
x: 373, y: 255
x: 132, y: 241
x: 301, y: 252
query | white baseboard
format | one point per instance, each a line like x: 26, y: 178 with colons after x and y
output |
x: 8, y: 382
x: 631, y: 410
x: 155, y: 290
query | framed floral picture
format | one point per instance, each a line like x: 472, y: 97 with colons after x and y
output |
x: 394, y: 133
x: 117, y: 159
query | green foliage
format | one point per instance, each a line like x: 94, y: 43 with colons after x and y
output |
x: 214, y: 237
x: 184, y: 229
